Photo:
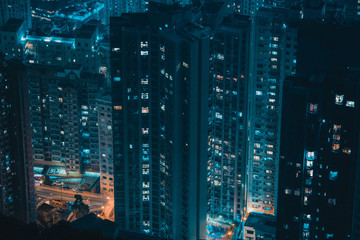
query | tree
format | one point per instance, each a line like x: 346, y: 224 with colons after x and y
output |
x: 79, y: 208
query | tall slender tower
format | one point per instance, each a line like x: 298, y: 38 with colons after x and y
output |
x: 319, y: 160
x: 227, y: 116
x: 17, y: 191
x: 159, y: 66
x: 272, y: 58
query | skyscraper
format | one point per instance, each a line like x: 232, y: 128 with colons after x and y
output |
x: 17, y: 197
x: 106, y: 163
x: 272, y: 58
x: 227, y: 116
x: 159, y: 66
x: 19, y: 9
x: 319, y: 158
x: 64, y: 117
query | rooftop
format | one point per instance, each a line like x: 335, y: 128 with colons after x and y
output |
x: 261, y: 222
x: 87, y: 31
x: 13, y: 25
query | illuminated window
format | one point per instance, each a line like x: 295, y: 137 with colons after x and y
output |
x: 144, y: 44
x: 336, y: 137
x: 145, y: 110
x: 313, y: 108
x: 146, y: 184
x: 144, y: 53
x: 308, y: 191
x: 144, y: 81
x: 310, y: 155
x: 346, y: 150
x: 306, y: 201
x: 309, y: 164
x: 145, y: 130
x: 333, y: 175
x: 256, y: 158
x: 272, y: 80
x: 185, y: 64
x: 220, y: 56
x: 335, y: 147
x: 332, y: 201
x: 339, y: 99
x: 258, y: 93
x: 117, y: 107
x: 144, y: 95
x: 337, y: 128
x: 350, y: 104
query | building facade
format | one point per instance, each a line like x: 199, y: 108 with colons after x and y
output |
x: 64, y: 118
x: 272, y: 58
x: 260, y: 226
x: 227, y: 116
x: 17, y: 191
x: 19, y: 9
x: 106, y: 163
x: 159, y: 85
x: 319, y: 158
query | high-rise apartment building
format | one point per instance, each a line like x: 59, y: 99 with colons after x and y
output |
x: 17, y: 192
x: 318, y: 195
x: 272, y: 57
x: 160, y: 77
x: 227, y: 129
x: 84, y: 47
x: 11, y: 35
x: 106, y: 163
x: 19, y: 9
x: 64, y: 118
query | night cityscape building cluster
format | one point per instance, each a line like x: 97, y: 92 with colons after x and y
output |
x: 182, y: 119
